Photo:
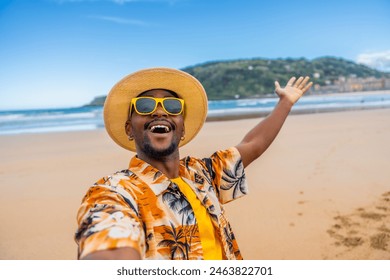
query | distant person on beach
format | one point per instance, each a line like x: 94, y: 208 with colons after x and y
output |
x: 164, y: 207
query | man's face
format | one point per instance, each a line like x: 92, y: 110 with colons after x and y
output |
x: 156, y: 135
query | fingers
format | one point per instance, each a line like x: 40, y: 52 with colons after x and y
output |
x: 291, y: 81
x: 306, y: 88
x: 298, y: 82
x: 277, y: 87
x: 302, y: 82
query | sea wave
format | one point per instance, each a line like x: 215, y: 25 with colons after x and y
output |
x: 36, y: 121
x: 87, y: 118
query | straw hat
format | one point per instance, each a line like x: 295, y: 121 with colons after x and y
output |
x: 116, y: 106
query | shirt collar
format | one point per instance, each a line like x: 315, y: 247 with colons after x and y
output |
x: 153, y: 177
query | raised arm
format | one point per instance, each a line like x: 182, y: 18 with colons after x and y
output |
x: 263, y: 134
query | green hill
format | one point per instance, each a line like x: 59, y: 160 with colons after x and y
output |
x: 255, y: 77
x: 98, y: 101
x: 245, y: 78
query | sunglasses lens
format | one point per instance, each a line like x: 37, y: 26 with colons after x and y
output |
x: 172, y: 106
x: 145, y: 105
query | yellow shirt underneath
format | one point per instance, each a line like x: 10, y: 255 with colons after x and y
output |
x: 211, y: 245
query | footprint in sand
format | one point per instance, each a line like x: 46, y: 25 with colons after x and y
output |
x: 380, y: 241
x: 301, y: 202
x: 365, y: 226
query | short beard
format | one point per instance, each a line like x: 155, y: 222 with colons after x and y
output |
x: 151, y: 152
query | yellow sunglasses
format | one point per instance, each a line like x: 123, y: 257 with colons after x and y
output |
x: 146, y: 105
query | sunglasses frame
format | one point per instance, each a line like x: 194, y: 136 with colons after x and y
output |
x: 158, y: 100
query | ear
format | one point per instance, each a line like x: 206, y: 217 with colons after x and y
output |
x: 183, y: 133
x: 128, y: 128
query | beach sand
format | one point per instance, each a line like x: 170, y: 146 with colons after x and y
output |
x: 321, y: 191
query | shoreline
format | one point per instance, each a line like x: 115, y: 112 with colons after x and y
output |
x: 260, y: 112
x: 295, y: 111
x: 31, y: 122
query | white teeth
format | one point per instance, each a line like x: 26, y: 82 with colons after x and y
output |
x: 159, y: 126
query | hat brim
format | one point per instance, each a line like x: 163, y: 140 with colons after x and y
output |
x: 116, y: 106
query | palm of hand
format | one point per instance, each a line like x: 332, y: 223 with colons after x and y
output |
x: 294, y: 89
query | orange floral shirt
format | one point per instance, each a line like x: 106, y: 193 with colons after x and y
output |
x: 141, y: 208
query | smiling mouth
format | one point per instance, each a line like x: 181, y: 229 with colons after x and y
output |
x: 160, y: 128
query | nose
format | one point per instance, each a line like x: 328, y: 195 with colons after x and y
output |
x: 159, y: 112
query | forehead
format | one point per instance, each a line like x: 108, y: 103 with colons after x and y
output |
x: 158, y: 93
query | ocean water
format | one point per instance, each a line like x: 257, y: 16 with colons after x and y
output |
x: 90, y: 118
x: 50, y: 120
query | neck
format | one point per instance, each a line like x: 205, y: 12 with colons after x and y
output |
x: 169, y: 165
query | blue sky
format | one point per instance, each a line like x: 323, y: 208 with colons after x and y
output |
x: 61, y: 53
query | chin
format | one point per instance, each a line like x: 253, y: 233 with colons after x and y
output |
x: 160, y: 152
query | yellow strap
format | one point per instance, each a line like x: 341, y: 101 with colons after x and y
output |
x: 212, y: 249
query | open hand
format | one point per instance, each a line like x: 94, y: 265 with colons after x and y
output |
x: 294, y: 89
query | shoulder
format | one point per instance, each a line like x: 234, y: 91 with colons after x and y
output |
x: 115, y: 178
x: 122, y: 183
x: 218, y: 163
x: 230, y: 154
x: 223, y: 159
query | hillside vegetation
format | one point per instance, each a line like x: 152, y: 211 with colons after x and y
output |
x: 255, y: 77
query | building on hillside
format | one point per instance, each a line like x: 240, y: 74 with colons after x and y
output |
x: 353, y: 84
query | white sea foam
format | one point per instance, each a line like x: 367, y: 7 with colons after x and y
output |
x: 80, y: 127
x: 87, y: 118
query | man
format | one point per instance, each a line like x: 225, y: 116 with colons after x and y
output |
x: 162, y: 207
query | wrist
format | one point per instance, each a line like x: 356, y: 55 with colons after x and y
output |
x: 285, y: 103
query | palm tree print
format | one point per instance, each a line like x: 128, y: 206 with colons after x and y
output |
x: 234, y: 179
x: 177, y: 242
x: 148, y: 236
x: 178, y: 203
x: 167, y: 220
x: 229, y: 237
